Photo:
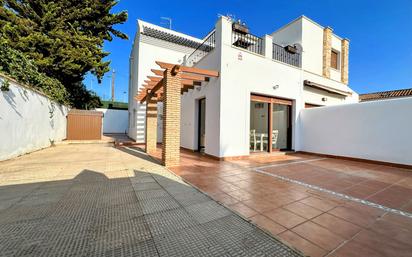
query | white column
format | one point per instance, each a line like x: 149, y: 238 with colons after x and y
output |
x: 268, y: 46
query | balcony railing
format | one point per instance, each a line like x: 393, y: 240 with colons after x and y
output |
x: 282, y: 55
x: 248, y: 41
x: 202, y: 50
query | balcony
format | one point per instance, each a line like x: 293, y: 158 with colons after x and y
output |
x: 248, y: 42
x: 279, y: 53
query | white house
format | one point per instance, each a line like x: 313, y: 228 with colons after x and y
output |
x: 263, y: 84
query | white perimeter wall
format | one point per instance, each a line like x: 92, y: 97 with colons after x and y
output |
x: 378, y: 130
x: 114, y: 121
x: 29, y: 121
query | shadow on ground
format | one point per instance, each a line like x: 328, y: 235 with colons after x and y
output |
x: 143, y: 215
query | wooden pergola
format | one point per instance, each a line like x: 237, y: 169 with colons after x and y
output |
x: 167, y: 84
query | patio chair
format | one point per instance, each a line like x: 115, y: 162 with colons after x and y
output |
x: 253, y: 139
x: 275, y: 135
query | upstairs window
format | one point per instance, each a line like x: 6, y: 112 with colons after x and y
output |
x: 334, y: 60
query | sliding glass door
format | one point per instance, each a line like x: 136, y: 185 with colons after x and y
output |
x: 280, y: 126
x: 259, y: 126
x: 270, y: 124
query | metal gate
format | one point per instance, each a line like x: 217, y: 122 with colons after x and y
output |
x: 84, y: 125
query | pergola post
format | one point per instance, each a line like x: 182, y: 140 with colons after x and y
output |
x: 171, y: 116
x: 167, y: 86
x: 151, y: 124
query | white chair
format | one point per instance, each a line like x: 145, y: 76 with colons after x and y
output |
x: 275, y: 135
x: 253, y: 139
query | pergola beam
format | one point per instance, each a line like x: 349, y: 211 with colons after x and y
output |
x: 190, y: 77
x: 198, y: 71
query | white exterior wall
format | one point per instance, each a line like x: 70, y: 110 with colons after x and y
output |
x: 29, y: 121
x: 228, y: 96
x: 289, y: 34
x: 145, y: 51
x: 114, y: 121
x: 310, y: 35
x: 189, y: 109
x: 239, y: 78
x: 376, y: 130
x: 312, y: 43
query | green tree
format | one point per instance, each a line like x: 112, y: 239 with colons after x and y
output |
x: 64, y: 38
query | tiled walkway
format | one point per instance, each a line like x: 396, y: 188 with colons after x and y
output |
x: 95, y: 200
x: 316, y: 222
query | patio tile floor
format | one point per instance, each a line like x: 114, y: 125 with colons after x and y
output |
x: 315, y: 222
x: 96, y: 200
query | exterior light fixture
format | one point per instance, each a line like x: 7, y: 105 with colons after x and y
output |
x: 324, y: 99
x: 198, y: 88
x: 275, y: 87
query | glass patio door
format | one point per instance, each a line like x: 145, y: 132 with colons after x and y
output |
x: 259, y: 126
x: 280, y: 126
x: 270, y: 124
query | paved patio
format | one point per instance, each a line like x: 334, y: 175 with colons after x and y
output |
x: 96, y: 200
x: 322, y: 206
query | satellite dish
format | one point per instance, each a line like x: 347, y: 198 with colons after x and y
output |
x: 299, y: 48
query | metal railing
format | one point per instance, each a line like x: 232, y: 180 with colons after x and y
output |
x: 280, y: 54
x: 248, y: 41
x: 202, y: 50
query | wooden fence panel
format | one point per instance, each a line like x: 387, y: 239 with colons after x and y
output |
x: 84, y: 125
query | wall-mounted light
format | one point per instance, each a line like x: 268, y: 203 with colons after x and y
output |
x: 198, y: 88
x: 324, y: 99
x: 275, y: 87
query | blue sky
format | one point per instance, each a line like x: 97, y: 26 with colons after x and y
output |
x: 380, y: 33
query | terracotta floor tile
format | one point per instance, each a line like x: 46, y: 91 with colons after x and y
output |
x: 355, y: 249
x: 375, y: 184
x: 361, y: 191
x: 318, y: 235
x: 392, y: 231
x: 320, y: 204
x: 375, y: 233
x: 338, y: 226
x: 233, y: 179
x: 243, y: 210
x: 260, y: 205
x: 267, y: 224
x: 225, y: 199
x: 368, y: 210
x: 360, y: 219
x: 383, y: 244
x: 278, y: 200
x: 227, y: 188
x: 302, y: 244
x: 296, y: 195
x: 303, y: 210
x: 394, y: 196
x: 284, y: 217
x: 337, y: 185
x: 240, y: 194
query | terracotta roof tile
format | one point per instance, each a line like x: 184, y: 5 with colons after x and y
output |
x: 385, y: 95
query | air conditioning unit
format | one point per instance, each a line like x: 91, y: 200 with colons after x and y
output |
x: 240, y: 27
x: 291, y: 49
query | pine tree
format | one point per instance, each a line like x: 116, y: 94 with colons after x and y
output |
x: 64, y: 37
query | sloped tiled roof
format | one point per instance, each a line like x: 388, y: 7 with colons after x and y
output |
x: 385, y: 95
x: 155, y: 31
